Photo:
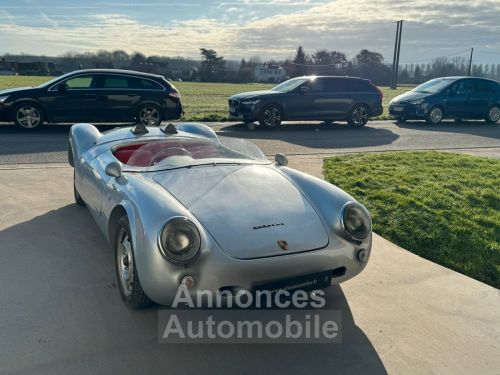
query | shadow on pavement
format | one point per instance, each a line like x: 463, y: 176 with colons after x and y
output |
x: 479, y: 128
x: 319, y: 135
x: 61, y: 310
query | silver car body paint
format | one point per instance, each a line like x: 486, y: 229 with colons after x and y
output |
x: 238, y: 207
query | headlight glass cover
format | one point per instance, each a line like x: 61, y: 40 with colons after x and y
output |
x: 180, y: 240
x: 357, y: 221
x: 3, y: 98
x: 418, y: 101
x: 250, y: 102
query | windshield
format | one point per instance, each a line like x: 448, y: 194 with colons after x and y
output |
x: 289, y: 85
x: 433, y: 86
x: 184, y: 152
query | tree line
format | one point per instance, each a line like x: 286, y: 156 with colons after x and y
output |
x: 211, y: 67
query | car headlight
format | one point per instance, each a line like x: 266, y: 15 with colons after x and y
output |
x: 180, y: 240
x: 3, y: 98
x: 417, y: 102
x: 357, y: 221
x: 250, y: 102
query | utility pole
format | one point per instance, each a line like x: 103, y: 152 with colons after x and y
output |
x: 470, y: 61
x: 397, y: 50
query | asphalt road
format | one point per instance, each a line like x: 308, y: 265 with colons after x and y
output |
x: 49, y: 144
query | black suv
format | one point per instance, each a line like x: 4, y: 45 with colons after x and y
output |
x: 310, y: 98
x: 95, y: 95
x: 449, y: 97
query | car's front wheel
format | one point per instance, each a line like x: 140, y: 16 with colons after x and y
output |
x: 28, y: 115
x: 434, y: 116
x: 493, y: 115
x: 126, y: 272
x: 358, y: 116
x: 270, y: 116
x: 149, y: 115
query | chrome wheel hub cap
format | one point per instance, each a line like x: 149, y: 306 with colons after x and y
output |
x: 149, y: 116
x: 125, y: 261
x: 436, y: 115
x: 28, y: 117
x: 272, y: 117
x: 359, y: 116
x: 494, y: 114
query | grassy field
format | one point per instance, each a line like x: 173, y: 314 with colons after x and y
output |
x: 202, y: 101
x: 444, y: 207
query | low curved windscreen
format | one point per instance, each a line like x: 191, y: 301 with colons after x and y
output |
x: 181, y: 152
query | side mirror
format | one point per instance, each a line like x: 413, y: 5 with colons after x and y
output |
x: 304, y: 89
x: 281, y: 160
x: 62, y: 86
x: 114, y: 169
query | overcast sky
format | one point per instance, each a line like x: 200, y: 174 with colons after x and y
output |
x: 245, y: 28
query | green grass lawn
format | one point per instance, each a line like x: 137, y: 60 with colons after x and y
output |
x: 444, y: 207
x: 202, y: 101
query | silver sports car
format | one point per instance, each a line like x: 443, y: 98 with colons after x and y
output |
x: 183, y: 206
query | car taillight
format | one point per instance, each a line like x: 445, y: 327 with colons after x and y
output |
x: 174, y: 94
x: 379, y: 91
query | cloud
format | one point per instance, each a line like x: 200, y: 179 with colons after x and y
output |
x: 274, y: 29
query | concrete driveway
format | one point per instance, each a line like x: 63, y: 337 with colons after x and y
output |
x: 60, y: 310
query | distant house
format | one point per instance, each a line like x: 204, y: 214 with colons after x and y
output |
x: 269, y: 73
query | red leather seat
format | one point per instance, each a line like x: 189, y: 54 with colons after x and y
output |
x: 124, y: 155
x: 140, y: 158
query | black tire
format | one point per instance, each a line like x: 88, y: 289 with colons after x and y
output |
x: 131, y: 292
x: 270, y: 116
x: 434, y: 116
x: 28, y: 115
x: 358, y: 117
x: 400, y: 120
x: 149, y: 115
x: 493, y: 115
x: 78, y: 199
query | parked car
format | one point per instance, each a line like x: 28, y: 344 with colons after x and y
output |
x: 449, y: 97
x: 310, y: 98
x: 181, y: 205
x: 97, y: 95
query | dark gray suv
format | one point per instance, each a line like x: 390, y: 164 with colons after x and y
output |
x: 322, y: 98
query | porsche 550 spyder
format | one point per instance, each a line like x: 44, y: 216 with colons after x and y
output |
x: 181, y: 205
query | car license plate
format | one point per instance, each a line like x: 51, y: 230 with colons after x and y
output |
x: 397, y: 108
x: 308, y: 282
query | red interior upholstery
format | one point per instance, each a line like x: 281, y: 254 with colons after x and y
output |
x: 162, y: 149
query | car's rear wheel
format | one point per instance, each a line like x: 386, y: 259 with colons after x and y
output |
x: 126, y: 272
x: 358, y: 116
x: 434, y: 116
x: 28, y: 115
x: 149, y: 115
x: 493, y: 115
x: 270, y: 116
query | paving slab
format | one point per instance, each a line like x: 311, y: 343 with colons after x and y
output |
x: 60, y: 310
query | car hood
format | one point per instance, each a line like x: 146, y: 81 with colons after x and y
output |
x: 253, y: 94
x: 17, y: 89
x: 247, y: 209
x: 409, y: 96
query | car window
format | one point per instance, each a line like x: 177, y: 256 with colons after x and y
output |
x: 149, y: 85
x: 79, y: 83
x: 356, y: 85
x: 336, y: 85
x: 484, y: 87
x: 115, y: 82
x: 316, y: 85
x: 464, y: 87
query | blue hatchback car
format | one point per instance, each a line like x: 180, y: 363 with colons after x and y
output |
x: 449, y: 97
